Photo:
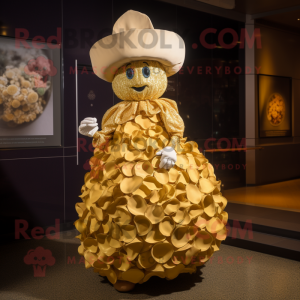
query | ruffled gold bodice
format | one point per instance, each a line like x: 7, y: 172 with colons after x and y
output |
x: 127, y: 110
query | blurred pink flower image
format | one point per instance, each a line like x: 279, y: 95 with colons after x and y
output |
x: 40, y: 68
x: 40, y: 65
x: 40, y: 258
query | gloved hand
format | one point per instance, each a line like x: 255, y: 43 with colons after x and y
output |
x: 168, y: 157
x: 88, y: 127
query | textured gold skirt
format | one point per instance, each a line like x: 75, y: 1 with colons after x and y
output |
x: 137, y: 220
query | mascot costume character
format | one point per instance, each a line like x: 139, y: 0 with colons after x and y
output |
x: 151, y: 204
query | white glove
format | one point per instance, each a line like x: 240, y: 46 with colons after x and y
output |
x: 88, y: 127
x: 168, y: 157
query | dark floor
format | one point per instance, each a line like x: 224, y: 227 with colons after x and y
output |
x: 233, y: 273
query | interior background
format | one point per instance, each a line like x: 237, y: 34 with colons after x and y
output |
x: 41, y: 185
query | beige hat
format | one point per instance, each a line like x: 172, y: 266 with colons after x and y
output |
x: 134, y: 38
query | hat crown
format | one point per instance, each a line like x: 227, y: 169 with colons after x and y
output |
x: 132, y: 20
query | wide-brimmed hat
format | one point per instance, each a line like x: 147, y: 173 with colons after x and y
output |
x: 134, y: 38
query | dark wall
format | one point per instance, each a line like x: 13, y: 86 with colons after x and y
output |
x: 41, y: 185
x: 32, y: 180
x: 269, y: 172
x: 286, y: 56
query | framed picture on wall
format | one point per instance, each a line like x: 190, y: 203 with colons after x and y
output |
x: 274, y: 106
x: 30, y: 105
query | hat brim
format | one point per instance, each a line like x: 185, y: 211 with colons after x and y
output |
x: 113, y: 51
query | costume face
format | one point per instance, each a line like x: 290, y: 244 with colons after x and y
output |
x: 140, y: 80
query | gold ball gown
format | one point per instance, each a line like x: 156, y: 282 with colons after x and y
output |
x: 137, y: 220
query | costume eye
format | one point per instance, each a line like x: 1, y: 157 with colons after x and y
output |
x: 129, y: 73
x: 146, y: 72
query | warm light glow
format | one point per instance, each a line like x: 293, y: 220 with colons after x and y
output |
x: 281, y: 195
x: 3, y: 30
